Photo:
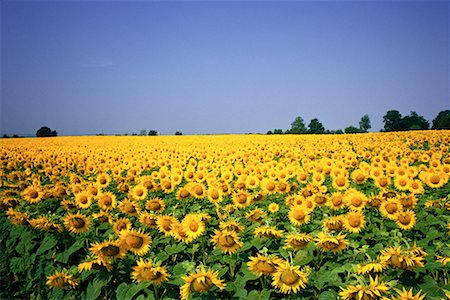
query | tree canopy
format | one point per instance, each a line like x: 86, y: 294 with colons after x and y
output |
x: 315, y: 126
x: 364, y: 124
x: 442, y: 120
x: 298, y: 126
x: 45, y: 132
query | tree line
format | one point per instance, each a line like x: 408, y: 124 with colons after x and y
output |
x: 393, y: 121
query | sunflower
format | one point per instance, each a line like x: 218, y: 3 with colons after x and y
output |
x: 227, y: 241
x: 297, y: 241
x: 326, y: 242
x: 231, y: 225
x: 193, y: 226
x: 371, y: 267
x: 268, y: 232
x: 83, y: 200
x: 336, y: 201
x: 44, y: 223
x: 416, y: 187
x: 167, y: 185
x: 183, y: 193
x: 61, y: 280
x: 94, y: 263
x: 179, y: 233
x: 155, y: 205
x: 403, y: 259
x: 107, y: 201
x: 273, y: 207
x: 121, y: 224
x: 435, y: 180
x: 77, y: 223
x: 383, y: 182
x: 402, y: 183
x: 129, y: 207
x: 214, y: 195
x: 165, y: 224
x: 390, y: 207
x: 335, y: 223
x: 374, y: 290
x: 299, y: 215
x: 107, y: 250
x: 135, y: 241
x: 268, y: 186
x: 408, y: 295
x: 289, y: 279
x: 201, y: 281
x: 17, y: 217
x: 354, y: 221
x: 355, y: 200
x: 340, y: 182
x: 241, y: 199
x: 256, y: 215
x: 359, y: 176
x: 103, y: 179
x: 444, y: 260
x: 263, y: 265
x: 252, y: 182
x: 198, y: 190
x: 33, y: 194
x: 139, y: 192
x: 405, y: 220
x: 148, y: 219
x: 145, y: 271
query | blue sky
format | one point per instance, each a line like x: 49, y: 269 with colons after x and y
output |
x: 83, y: 67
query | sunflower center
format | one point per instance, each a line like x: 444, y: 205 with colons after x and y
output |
x: 129, y: 208
x: 391, y: 208
x: 102, y: 180
x: 198, y: 190
x: 395, y: 260
x: 139, y: 193
x: 360, y: 177
x: 340, y: 182
x: 110, y: 250
x: 296, y: 243
x: 83, y: 199
x: 121, y: 226
x: 265, y: 267
x: 241, y: 199
x: 150, y: 274
x: 184, y: 193
x: 154, y: 205
x: 356, y: 201
x: 289, y: 277
x: 299, y: 215
x: 320, y: 200
x: 383, y: 182
x: 201, y: 284
x: 214, y: 195
x: 282, y: 186
x: 135, y: 241
x: 402, y: 182
x: 354, y: 221
x: 336, y: 201
x: 107, y: 200
x: 33, y: 194
x: 77, y: 222
x: 227, y: 241
x: 270, y: 186
x: 240, y: 185
x: 167, y: 185
x: 434, y: 179
x: 193, y: 226
x: 404, y: 219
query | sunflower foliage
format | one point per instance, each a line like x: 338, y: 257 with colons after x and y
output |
x: 363, y: 216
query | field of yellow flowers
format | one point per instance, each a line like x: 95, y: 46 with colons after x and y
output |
x: 363, y: 216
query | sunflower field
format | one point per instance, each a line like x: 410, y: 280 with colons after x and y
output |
x: 362, y: 216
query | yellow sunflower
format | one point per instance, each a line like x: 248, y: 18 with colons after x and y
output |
x: 371, y: 267
x: 227, y: 241
x: 107, y: 201
x: 129, y: 207
x: 183, y: 193
x: 139, y: 192
x: 77, y: 223
x: 166, y: 223
x: 95, y: 263
x: 355, y: 200
x: 241, y: 199
x: 373, y: 290
x: 354, y: 221
x: 405, y: 220
x: 299, y: 215
x: 263, y: 265
x: 62, y: 280
x: 327, y: 242
x: 103, y: 179
x: 383, y: 182
x: 268, y: 186
x: 340, y: 182
x: 409, y: 295
x: 148, y: 219
x: 256, y: 215
x: 108, y: 250
x: 121, y: 224
x: 83, y: 200
x: 390, y: 207
x: 155, y: 205
x: 268, y: 232
x: 231, y: 225
x: 273, y: 207
x: 289, y: 279
x: 136, y: 241
x: 201, y: 281
x: 193, y: 226
x: 297, y: 241
x: 146, y: 270
x: 198, y: 190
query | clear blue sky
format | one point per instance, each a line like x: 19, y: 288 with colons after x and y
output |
x: 82, y: 67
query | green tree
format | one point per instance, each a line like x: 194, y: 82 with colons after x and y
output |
x: 298, y: 126
x: 143, y: 132
x: 392, y: 120
x: 269, y: 132
x: 178, y: 133
x: 45, y: 132
x: 364, y: 124
x: 152, y: 132
x: 414, y: 122
x: 277, y: 131
x: 315, y: 126
x: 442, y: 120
x: 353, y: 129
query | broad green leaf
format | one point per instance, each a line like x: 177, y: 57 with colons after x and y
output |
x: 48, y: 243
x: 328, y: 295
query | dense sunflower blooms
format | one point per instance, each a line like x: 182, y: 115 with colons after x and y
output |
x: 263, y: 265
x: 95, y: 263
x: 231, y: 225
x: 371, y: 267
x: 334, y: 243
x: 289, y: 279
x: 83, y: 200
x: 273, y: 207
x: 62, y: 279
x: 165, y: 224
x: 201, y: 281
x: 129, y: 207
x: 227, y: 241
x: 156, y: 205
x: 390, y: 207
x: 406, y: 259
x: 146, y: 270
x: 33, y: 194
x: 256, y: 215
x: 121, y: 224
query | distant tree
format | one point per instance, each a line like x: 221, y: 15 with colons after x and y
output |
x: 442, y: 120
x: 143, y: 132
x: 5, y: 136
x: 414, y: 122
x: 15, y: 136
x: 353, y: 129
x: 298, y: 126
x: 315, y: 126
x: 269, y: 132
x: 134, y: 134
x: 178, y: 133
x: 392, y: 120
x: 339, y: 131
x: 45, y: 132
x: 152, y: 132
x: 364, y: 124
x: 277, y: 131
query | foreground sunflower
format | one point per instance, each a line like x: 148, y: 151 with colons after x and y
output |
x: 147, y: 271
x: 409, y: 295
x: 135, y: 241
x: 62, y: 280
x: 326, y: 242
x: 374, y: 290
x: 193, y: 226
x: 289, y: 279
x: 107, y: 201
x: 268, y: 232
x: 77, y: 223
x: 227, y: 241
x: 107, y: 250
x: 354, y: 221
x: 405, y: 220
x: 200, y: 281
x: 297, y: 241
x: 95, y: 263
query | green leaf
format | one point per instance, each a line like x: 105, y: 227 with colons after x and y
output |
x: 122, y: 290
x: 328, y: 295
x: 94, y: 288
x: 64, y: 256
x: 48, y: 243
